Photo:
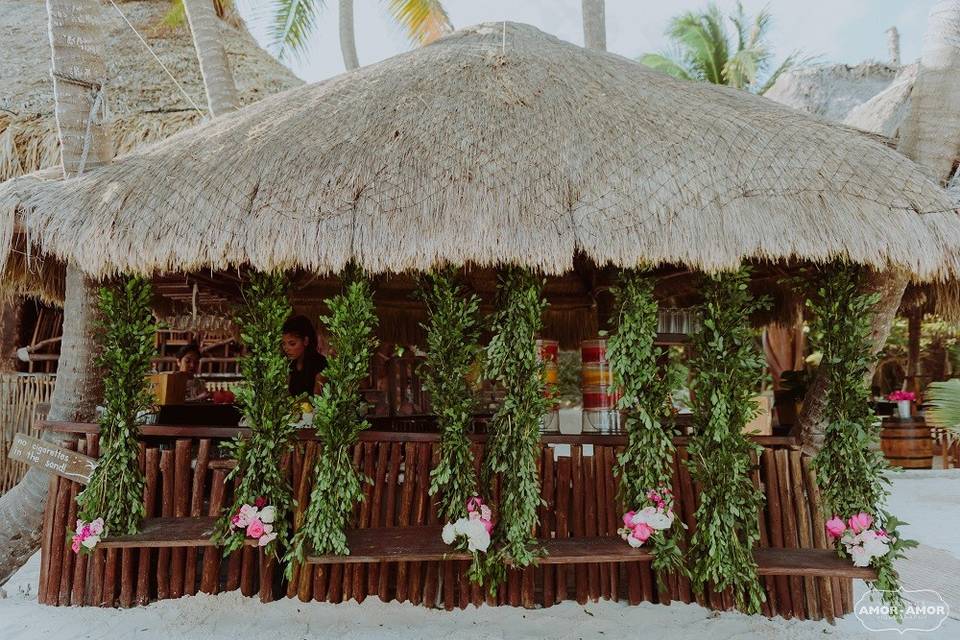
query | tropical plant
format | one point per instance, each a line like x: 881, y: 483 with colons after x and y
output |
x: 729, y: 370
x: 295, y: 20
x: 704, y: 50
x: 126, y: 335
x: 77, y: 63
x: 943, y: 405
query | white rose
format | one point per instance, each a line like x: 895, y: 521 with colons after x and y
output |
x: 477, y: 537
x: 860, y: 556
x: 633, y: 542
x: 90, y: 541
x: 267, y: 514
x: 448, y: 534
x: 875, y: 546
x: 266, y: 539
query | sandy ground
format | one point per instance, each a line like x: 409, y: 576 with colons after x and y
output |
x: 928, y: 500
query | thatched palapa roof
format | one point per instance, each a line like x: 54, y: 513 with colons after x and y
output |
x: 498, y: 144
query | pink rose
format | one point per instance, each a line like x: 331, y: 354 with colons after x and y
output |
x: 260, y: 502
x: 860, y: 522
x: 235, y: 521
x: 75, y: 545
x: 628, y: 518
x: 487, y: 524
x: 85, y: 531
x: 642, y: 531
x: 96, y: 527
x: 835, y: 527
x: 255, y: 529
x: 485, y: 513
x: 473, y: 504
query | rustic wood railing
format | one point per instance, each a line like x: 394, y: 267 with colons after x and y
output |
x: 186, y: 481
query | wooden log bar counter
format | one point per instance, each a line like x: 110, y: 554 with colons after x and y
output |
x: 396, y: 551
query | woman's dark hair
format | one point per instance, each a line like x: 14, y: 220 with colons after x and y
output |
x: 188, y: 348
x: 301, y: 327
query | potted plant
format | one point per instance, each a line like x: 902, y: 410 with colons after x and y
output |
x: 903, y: 400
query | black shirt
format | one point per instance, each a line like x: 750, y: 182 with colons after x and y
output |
x: 303, y: 380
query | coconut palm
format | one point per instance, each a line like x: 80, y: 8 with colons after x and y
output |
x: 217, y: 79
x: 294, y: 22
x: 594, y: 24
x: 77, y: 53
x: 704, y: 50
x: 943, y: 405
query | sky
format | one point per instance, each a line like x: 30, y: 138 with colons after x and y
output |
x: 846, y: 31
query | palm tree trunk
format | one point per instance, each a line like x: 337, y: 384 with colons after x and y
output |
x: 890, y: 285
x: 594, y: 24
x: 931, y: 134
x: 214, y: 67
x: 347, y: 44
x: 79, y: 73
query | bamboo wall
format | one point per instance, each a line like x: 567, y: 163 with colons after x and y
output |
x: 24, y: 400
x: 186, y: 476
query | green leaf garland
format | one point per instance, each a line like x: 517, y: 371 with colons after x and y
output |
x: 729, y: 368
x: 267, y: 408
x: 647, y: 461
x: 126, y: 333
x: 339, y: 413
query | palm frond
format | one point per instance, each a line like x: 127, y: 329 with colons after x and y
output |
x: 792, y: 61
x: 666, y: 63
x: 293, y: 23
x: 943, y: 405
x: 423, y: 20
x: 741, y: 69
x: 702, y: 39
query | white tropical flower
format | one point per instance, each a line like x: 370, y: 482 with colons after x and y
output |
x: 267, y: 514
x: 449, y: 533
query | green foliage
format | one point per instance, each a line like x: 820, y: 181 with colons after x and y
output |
x: 126, y: 334
x: 294, y: 21
x: 452, y: 347
x: 850, y: 467
x: 729, y: 369
x: 943, y: 405
x: 339, y: 418
x: 647, y: 461
x: 514, y: 443
x: 267, y: 408
x: 703, y: 49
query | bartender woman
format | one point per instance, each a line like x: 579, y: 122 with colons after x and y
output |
x: 306, y: 362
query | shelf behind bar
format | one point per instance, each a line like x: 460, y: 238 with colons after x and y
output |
x: 372, y: 435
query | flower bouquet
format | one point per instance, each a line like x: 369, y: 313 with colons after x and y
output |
x: 87, y: 536
x: 903, y: 400
x: 859, y: 539
x: 640, y: 526
x: 256, y: 520
x: 473, y: 531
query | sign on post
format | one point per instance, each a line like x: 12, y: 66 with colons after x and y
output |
x: 52, y: 459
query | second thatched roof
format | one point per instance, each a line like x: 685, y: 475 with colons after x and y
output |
x: 498, y: 144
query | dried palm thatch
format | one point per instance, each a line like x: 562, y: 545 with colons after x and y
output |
x: 885, y: 112
x: 831, y: 90
x: 144, y: 103
x: 498, y: 144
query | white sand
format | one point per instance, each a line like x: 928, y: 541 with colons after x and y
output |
x: 928, y: 501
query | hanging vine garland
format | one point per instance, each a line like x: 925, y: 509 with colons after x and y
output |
x: 514, y: 444
x: 452, y: 347
x: 729, y: 369
x: 645, y: 468
x: 339, y: 418
x: 263, y: 498
x: 850, y: 468
x: 112, y: 502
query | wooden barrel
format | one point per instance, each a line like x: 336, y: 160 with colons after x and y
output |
x: 907, y: 443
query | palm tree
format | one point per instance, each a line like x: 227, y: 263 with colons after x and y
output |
x: 78, y: 75
x: 704, y: 50
x: 217, y: 79
x: 295, y: 20
x: 594, y: 24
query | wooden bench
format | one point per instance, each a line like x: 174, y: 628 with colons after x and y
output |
x: 416, y: 544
